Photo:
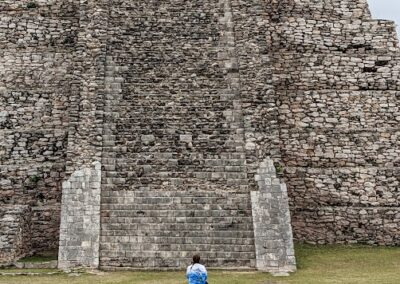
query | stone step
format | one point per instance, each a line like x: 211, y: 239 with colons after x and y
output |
x: 112, y: 238
x: 186, y: 205
x: 209, y: 259
x: 180, y: 201
x: 154, y: 225
x: 151, y: 217
x: 178, y: 240
x: 178, y: 216
x: 147, y: 247
x: 190, y: 192
x: 212, y: 222
x: 224, y: 159
x: 175, y: 253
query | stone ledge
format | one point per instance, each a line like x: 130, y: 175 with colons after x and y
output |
x: 36, y: 265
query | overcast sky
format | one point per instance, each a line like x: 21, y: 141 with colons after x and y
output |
x: 386, y: 9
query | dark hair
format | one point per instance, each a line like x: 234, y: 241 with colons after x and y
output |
x: 196, y: 258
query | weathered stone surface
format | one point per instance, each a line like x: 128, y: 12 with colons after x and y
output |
x: 35, y: 68
x: 181, y: 102
x: 271, y: 218
x: 14, y: 232
x: 80, y: 219
x: 148, y: 228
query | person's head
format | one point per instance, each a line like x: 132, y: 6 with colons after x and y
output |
x: 196, y: 258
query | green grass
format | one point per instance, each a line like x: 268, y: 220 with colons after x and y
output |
x: 316, y: 265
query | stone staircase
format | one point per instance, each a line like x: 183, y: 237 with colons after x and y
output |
x: 162, y: 229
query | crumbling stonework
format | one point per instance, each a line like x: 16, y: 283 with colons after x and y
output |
x: 181, y: 102
x: 15, y: 226
x: 36, y: 43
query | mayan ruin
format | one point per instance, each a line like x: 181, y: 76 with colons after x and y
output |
x: 134, y: 133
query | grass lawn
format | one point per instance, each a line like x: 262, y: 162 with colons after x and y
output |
x: 316, y: 265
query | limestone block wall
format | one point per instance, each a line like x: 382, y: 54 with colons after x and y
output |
x: 337, y: 87
x: 36, y: 44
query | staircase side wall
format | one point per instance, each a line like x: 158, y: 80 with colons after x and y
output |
x: 271, y: 217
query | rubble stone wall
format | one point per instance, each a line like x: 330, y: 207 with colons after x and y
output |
x: 36, y: 43
x: 279, y: 10
x: 15, y: 222
x: 338, y: 102
x: 353, y: 36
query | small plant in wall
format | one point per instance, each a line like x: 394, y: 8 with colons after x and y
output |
x: 279, y: 168
x: 69, y: 39
x: 32, y: 181
x: 31, y: 5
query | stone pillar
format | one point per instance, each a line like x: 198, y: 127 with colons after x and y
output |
x: 271, y: 219
x: 80, y: 209
x: 80, y: 219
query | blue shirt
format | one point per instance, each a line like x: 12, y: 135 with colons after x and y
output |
x: 196, y: 274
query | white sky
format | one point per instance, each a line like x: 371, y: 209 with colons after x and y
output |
x: 387, y: 10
